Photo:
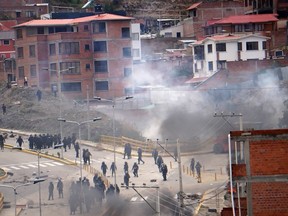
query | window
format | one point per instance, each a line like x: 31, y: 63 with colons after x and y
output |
x: 31, y: 14
x: 101, y: 66
x: 51, y: 30
x: 52, y: 49
x: 100, y: 46
x: 221, y: 65
x: 32, y: 51
x: 101, y: 85
x: 72, y: 86
x: 259, y: 27
x: 209, y: 48
x: 128, y: 91
x: 40, y: 30
x: 125, y: 32
x: 18, y: 14
x: 127, y: 72
x: 21, y: 72
x: 88, y: 67
x: 33, y: 72
x: 210, y: 66
x: 20, y: 53
x: 6, y: 42
x: 238, y: 28
x: 74, y: 67
x: 248, y: 27
x: 87, y: 47
x: 69, y: 48
x: 99, y: 27
x: 239, y: 46
x: 168, y: 34
x: 221, y: 47
x: 127, y: 52
x: 86, y: 28
x: 53, y: 69
x: 19, y: 33
x: 136, y: 53
x: 264, y: 45
x: 252, y: 45
x: 135, y: 36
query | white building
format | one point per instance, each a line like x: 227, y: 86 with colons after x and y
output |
x: 136, y: 42
x: 212, y: 53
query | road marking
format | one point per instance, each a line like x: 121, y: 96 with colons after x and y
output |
x: 133, y: 199
x: 57, y: 163
x: 24, y: 167
x: 31, y: 165
x: 13, y: 167
x: 42, y: 165
x: 50, y: 164
x: 146, y: 197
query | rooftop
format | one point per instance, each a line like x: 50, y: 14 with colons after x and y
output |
x: 243, y: 19
x: 61, y: 22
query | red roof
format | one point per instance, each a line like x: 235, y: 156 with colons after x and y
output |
x: 55, y: 22
x: 195, y: 5
x: 6, y: 25
x: 241, y: 19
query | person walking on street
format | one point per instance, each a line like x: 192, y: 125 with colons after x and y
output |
x: 104, y: 168
x: 4, y: 109
x: 20, y: 141
x: 113, y: 168
x: 164, y: 171
x: 2, y: 141
x: 135, y: 169
x: 192, y: 165
x: 139, y: 151
x: 126, y: 179
x: 60, y: 188
x: 159, y: 162
x: 155, y: 155
x: 126, y: 167
x: 51, y: 190
x: 77, y: 148
x: 198, y: 167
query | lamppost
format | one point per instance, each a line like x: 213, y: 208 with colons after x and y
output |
x: 79, y: 137
x: 35, y: 181
x: 113, y: 126
x: 59, y: 72
x: 79, y: 134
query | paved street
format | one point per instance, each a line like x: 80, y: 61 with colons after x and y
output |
x: 213, y: 166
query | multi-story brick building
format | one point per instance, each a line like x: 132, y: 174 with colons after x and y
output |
x: 202, y: 12
x: 7, y: 50
x: 22, y: 11
x: 259, y: 173
x: 92, y: 52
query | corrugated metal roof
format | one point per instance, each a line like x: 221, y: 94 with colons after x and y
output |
x: 242, y: 19
x: 195, y: 5
x: 55, y: 22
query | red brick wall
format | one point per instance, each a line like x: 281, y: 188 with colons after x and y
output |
x: 269, y: 157
x: 270, y: 199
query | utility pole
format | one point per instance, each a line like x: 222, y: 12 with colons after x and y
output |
x: 180, y: 194
x: 88, y: 112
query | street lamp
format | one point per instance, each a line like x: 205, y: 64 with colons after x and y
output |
x: 60, y: 96
x: 35, y: 181
x: 113, y: 125
x: 79, y: 134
